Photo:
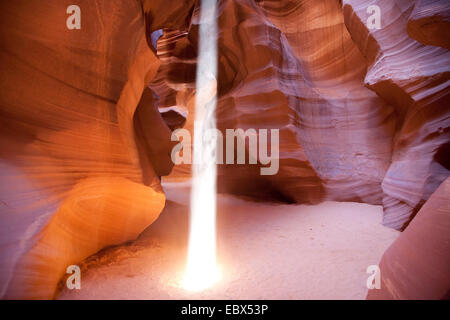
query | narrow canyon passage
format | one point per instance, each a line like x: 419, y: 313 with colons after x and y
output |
x: 329, y: 124
x: 265, y: 251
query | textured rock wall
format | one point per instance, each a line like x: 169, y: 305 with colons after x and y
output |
x: 335, y: 134
x: 86, y: 116
x: 174, y: 86
x: 345, y: 128
x: 363, y: 113
x: 258, y: 88
x: 73, y: 179
x: 414, y: 79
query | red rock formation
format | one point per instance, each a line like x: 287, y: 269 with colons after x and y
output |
x: 159, y: 14
x: 345, y: 128
x: 72, y: 178
x: 86, y: 118
x: 414, y: 79
x: 174, y: 87
x: 258, y: 88
x: 417, y: 264
x: 244, y: 92
x: 310, y: 104
x: 152, y: 136
x: 429, y: 22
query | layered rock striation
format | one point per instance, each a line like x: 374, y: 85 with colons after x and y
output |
x: 87, y: 115
x: 75, y: 175
x: 414, y: 78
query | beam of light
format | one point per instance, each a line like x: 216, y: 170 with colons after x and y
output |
x: 201, y: 270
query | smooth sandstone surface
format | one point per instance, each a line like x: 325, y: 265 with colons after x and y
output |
x: 86, y: 118
x: 417, y: 264
x: 72, y: 178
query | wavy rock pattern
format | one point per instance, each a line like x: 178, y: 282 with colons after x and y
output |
x: 345, y: 128
x: 86, y: 119
x: 270, y: 84
x: 284, y: 80
x: 74, y: 178
x: 350, y: 101
x: 257, y: 88
x: 415, y: 80
x: 174, y: 87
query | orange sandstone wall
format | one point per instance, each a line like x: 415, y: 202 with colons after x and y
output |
x: 72, y: 178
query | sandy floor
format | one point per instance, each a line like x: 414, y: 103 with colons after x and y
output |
x: 265, y: 251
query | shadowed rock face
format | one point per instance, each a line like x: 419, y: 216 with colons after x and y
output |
x: 86, y: 118
x: 416, y: 265
x: 159, y: 14
x: 429, y: 22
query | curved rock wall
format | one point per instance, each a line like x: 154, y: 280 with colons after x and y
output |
x: 335, y: 134
x: 72, y: 178
x: 344, y: 127
x: 86, y: 116
x: 174, y: 87
x: 258, y: 88
x: 416, y: 265
x: 415, y: 79
x: 362, y: 112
